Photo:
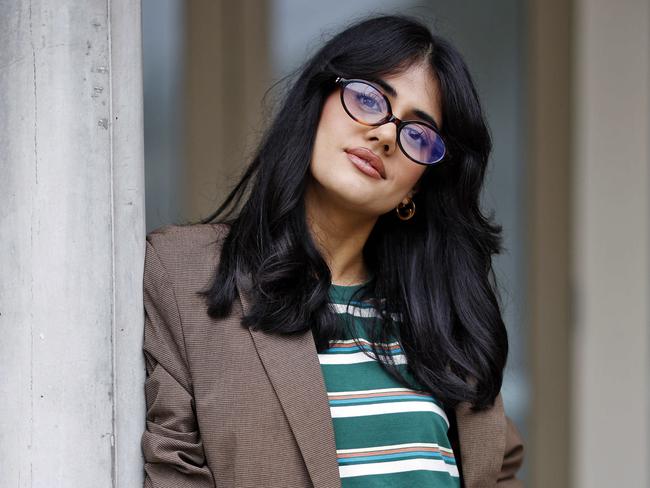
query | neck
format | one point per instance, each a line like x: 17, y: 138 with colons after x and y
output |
x: 339, y: 234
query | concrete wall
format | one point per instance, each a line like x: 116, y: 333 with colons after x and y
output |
x: 71, y: 239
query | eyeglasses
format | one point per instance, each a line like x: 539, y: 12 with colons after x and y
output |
x: 365, y: 103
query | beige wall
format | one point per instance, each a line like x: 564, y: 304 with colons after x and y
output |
x: 589, y: 87
x: 610, y: 416
x: 227, y: 72
x: 549, y: 235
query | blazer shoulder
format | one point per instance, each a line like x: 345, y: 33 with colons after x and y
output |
x: 183, y: 249
x: 177, y: 235
x: 175, y: 238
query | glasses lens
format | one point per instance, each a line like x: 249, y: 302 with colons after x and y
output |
x: 421, y: 143
x: 364, y: 103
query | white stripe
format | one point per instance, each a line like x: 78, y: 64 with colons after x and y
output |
x: 354, y: 310
x: 364, y: 312
x: 362, y: 341
x: 387, y: 407
x: 355, y: 357
x: 398, y: 467
x: 396, y: 446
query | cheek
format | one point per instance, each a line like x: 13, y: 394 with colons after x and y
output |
x: 408, y: 176
x: 331, y: 125
x: 330, y: 137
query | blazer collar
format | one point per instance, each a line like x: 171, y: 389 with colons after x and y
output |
x: 301, y: 390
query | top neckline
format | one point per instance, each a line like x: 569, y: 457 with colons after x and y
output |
x: 355, y: 286
x: 345, y: 292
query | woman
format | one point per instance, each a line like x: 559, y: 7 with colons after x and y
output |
x: 333, y: 323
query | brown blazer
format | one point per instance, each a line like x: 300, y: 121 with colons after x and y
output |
x: 232, y: 407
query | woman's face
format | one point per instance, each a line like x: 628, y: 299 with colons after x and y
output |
x: 338, y: 179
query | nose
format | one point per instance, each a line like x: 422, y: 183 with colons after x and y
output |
x: 386, y: 134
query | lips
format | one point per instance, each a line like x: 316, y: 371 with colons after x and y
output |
x: 369, y: 156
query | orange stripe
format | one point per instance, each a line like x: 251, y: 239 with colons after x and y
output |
x: 376, y: 395
x: 394, y: 451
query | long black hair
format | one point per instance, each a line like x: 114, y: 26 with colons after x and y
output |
x: 434, y: 270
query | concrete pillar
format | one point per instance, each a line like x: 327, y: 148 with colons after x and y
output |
x: 71, y: 243
x: 611, y: 417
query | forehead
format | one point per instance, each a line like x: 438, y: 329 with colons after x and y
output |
x: 416, y: 88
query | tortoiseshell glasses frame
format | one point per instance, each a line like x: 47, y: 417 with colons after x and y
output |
x: 418, y: 140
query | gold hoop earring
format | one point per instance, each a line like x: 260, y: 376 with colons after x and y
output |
x: 406, y: 210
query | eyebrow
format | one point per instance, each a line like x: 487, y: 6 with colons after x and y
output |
x: 393, y: 93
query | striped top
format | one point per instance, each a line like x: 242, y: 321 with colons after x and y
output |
x: 386, y: 435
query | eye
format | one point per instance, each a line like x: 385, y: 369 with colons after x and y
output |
x: 368, y: 101
x: 415, y: 134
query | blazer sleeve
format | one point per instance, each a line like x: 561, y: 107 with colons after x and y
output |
x: 513, y: 458
x: 171, y: 443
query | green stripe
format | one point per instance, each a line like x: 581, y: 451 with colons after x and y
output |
x: 368, y: 431
x: 359, y: 376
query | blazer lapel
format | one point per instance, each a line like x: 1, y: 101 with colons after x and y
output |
x: 292, y: 365
x: 482, y: 440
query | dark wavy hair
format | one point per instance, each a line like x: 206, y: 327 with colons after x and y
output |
x: 434, y: 270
